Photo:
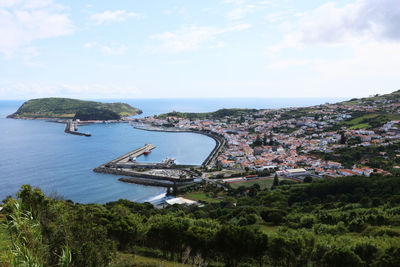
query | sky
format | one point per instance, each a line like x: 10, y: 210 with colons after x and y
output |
x: 198, y: 48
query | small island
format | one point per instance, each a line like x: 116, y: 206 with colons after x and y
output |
x: 66, y: 108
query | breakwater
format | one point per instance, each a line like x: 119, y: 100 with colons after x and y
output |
x: 142, y: 181
x: 124, y: 159
x: 72, y: 128
x: 137, y: 174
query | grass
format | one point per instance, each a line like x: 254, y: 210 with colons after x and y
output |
x: 264, y: 183
x: 268, y: 229
x: 360, y: 126
x: 358, y: 120
x: 371, y: 120
x: 4, y: 241
x: 125, y: 260
x: 201, y: 196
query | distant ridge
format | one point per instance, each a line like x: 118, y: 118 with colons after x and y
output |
x: 67, y: 108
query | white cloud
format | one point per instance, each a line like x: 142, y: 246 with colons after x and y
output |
x: 354, y: 49
x: 242, y: 8
x: 363, y: 19
x: 36, y: 90
x: 190, y: 38
x: 369, y: 68
x: 113, y: 16
x: 90, y: 44
x: 24, y: 21
x: 114, y: 50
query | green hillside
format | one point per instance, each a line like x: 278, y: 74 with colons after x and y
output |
x: 383, y: 108
x: 221, y: 113
x: 68, y: 108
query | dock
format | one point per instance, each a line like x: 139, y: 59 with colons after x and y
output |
x: 133, y: 154
x: 164, y: 173
x: 71, y: 127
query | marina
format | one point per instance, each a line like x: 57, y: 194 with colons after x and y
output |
x: 164, y: 173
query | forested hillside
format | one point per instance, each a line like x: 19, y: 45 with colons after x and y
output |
x: 353, y: 221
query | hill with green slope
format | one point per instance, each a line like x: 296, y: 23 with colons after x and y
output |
x: 375, y: 99
x: 67, y: 108
x: 219, y: 114
x: 372, y: 112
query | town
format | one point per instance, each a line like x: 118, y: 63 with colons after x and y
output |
x: 291, y: 141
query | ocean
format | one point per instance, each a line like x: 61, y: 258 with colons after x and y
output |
x: 39, y: 153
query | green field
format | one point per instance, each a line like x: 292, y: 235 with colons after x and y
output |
x: 368, y: 121
x: 360, y: 126
x: 125, y: 260
x: 264, y: 183
x: 268, y: 228
x: 201, y: 196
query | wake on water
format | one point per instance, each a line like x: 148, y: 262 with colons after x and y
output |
x: 155, y: 198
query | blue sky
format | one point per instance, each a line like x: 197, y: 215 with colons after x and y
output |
x: 207, y: 48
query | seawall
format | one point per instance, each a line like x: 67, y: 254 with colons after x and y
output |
x: 142, y: 181
x: 103, y: 169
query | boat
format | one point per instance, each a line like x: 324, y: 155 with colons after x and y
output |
x: 147, y: 152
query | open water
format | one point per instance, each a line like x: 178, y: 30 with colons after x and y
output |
x: 39, y: 153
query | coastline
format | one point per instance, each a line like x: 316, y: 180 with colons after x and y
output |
x: 137, y: 177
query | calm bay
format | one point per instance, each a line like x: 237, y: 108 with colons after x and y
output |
x: 39, y: 153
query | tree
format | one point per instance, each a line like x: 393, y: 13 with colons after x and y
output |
x: 308, y: 179
x: 168, y: 191
x: 175, y: 191
x: 366, y: 251
x: 236, y: 243
x: 265, y: 138
x: 276, y: 181
x: 390, y: 258
x: 339, y: 257
x: 258, y: 141
x: 343, y: 138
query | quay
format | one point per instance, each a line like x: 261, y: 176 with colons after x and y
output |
x: 164, y: 173
x: 71, y: 127
x: 127, y: 158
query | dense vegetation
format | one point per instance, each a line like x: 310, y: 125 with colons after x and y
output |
x: 96, y: 114
x: 68, y: 108
x: 377, y: 157
x: 368, y: 120
x: 350, y: 221
x: 221, y: 113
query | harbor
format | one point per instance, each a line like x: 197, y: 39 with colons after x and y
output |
x: 164, y: 173
x: 210, y: 161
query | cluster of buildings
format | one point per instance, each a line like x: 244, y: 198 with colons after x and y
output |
x: 281, y: 139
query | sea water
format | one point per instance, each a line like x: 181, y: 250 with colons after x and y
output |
x: 39, y: 153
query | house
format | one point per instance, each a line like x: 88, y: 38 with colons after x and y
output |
x: 180, y: 201
x: 345, y: 172
x: 294, y: 173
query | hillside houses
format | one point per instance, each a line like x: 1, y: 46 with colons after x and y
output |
x: 286, y: 141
